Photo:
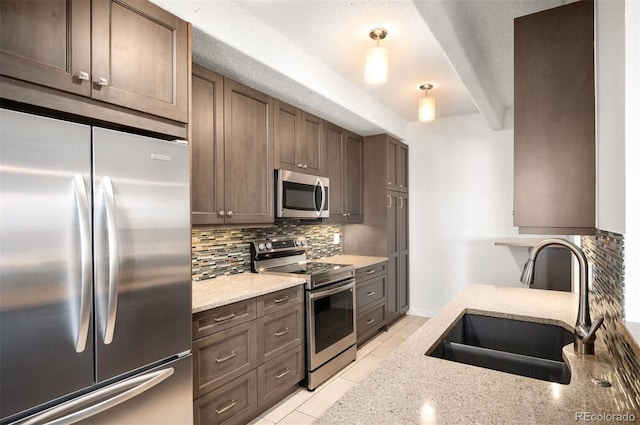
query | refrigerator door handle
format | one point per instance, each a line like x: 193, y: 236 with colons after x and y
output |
x: 114, y: 259
x: 100, y: 400
x: 82, y: 206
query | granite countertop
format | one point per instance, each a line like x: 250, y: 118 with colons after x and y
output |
x: 359, y: 261
x: 411, y: 388
x: 223, y: 290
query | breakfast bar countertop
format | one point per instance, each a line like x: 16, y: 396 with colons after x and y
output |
x: 223, y: 290
x: 412, y: 388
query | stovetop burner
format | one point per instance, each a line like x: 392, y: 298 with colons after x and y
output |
x: 288, y: 256
x: 308, y: 268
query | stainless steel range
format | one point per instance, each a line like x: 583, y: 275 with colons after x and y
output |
x: 330, y: 303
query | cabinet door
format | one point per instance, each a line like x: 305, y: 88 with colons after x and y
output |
x: 554, y: 123
x: 392, y: 164
x: 47, y: 42
x: 392, y: 218
x: 311, y: 144
x: 248, y: 169
x: 140, y: 57
x: 354, y: 170
x: 392, y: 288
x: 335, y: 170
x: 402, y: 223
x: 402, y: 284
x: 402, y: 171
x: 207, y: 148
x: 286, y: 130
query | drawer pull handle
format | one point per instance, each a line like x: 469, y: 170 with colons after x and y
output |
x: 225, y: 318
x: 228, y: 357
x: 282, y: 300
x: 283, y: 374
x: 371, y: 271
x: 227, y: 407
x: 370, y: 321
x: 282, y: 332
x: 368, y: 294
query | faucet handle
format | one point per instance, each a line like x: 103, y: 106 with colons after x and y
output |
x: 589, y: 335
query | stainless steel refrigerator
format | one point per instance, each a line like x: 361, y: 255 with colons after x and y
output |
x: 95, y: 275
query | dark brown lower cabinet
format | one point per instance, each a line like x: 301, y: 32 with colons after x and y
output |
x: 371, y: 300
x: 245, y: 361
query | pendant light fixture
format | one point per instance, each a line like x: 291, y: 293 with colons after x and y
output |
x: 375, y: 70
x: 426, y: 105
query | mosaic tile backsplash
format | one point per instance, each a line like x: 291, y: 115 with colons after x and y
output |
x: 605, y: 252
x: 219, y: 251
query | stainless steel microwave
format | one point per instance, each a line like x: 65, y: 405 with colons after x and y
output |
x: 301, y: 195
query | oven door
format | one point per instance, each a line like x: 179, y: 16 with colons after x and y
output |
x: 331, y: 324
x: 301, y: 195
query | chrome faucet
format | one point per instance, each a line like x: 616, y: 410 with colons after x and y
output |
x: 584, y: 331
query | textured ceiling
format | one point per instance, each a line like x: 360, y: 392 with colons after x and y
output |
x: 311, y: 54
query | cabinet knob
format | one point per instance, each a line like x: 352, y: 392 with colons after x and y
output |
x: 344, y: 214
x: 229, y: 213
x: 299, y: 165
x: 401, y: 185
x: 304, y: 166
x: 102, y: 81
x: 389, y: 183
x: 348, y: 214
x: 83, y: 76
x: 221, y: 213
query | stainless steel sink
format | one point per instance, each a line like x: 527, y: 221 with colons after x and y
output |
x: 514, y: 346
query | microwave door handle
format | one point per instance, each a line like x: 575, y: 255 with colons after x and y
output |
x: 317, y: 188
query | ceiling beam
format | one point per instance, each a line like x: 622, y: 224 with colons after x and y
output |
x: 448, y: 22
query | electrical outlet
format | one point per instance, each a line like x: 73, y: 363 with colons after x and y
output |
x: 336, y: 238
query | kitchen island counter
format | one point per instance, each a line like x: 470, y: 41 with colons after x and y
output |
x: 412, y: 388
x: 223, y: 290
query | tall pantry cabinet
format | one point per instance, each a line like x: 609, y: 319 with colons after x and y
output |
x: 386, y: 217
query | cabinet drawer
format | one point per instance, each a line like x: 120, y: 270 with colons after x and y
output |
x: 365, y: 273
x: 221, y: 357
x: 372, y: 291
x: 221, y: 318
x: 371, y: 319
x: 233, y: 403
x: 277, y: 376
x: 276, y: 301
x: 279, y: 332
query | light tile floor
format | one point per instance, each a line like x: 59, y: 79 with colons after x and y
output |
x: 303, y: 407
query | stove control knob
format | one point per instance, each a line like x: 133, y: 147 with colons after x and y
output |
x: 260, y: 246
x: 269, y: 246
x: 303, y: 242
x: 298, y: 243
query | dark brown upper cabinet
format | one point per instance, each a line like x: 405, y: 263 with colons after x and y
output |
x: 248, y: 151
x: 554, y: 126
x: 127, y: 53
x: 207, y: 147
x: 299, y: 140
x: 344, y: 167
x: 397, y: 165
x: 231, y: 139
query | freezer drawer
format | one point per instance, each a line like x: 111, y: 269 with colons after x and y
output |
x: 160, y: 396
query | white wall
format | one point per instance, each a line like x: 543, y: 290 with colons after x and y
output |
x: 610, y: 115
x: 461, y: 177
x: 632, y: 135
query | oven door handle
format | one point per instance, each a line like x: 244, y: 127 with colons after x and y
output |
x: 326, y: 293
